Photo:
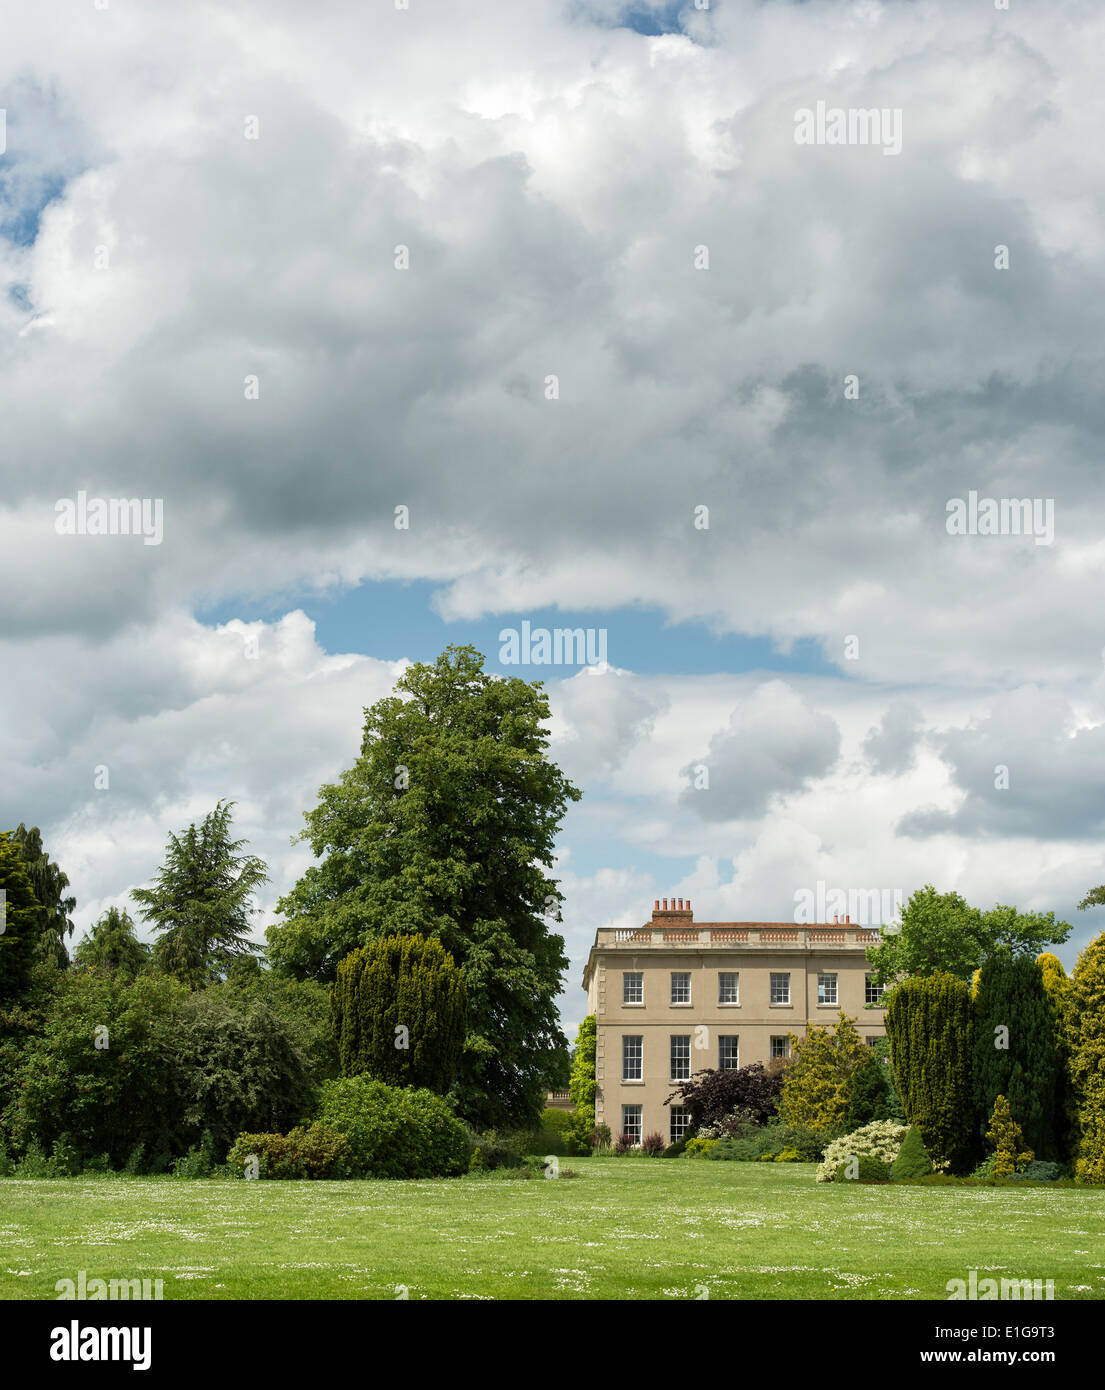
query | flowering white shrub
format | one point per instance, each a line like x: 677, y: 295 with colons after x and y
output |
x: 880, y: 1139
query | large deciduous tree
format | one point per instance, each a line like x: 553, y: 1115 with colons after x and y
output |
x: 445, y: 827
x: 399, y: 1013
x: 942, y: 932
x: 1016, y: 1049
x: 930, y: 1024
x: 200, y: 903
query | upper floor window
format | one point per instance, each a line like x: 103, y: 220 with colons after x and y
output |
x: 728, y: 1053
x: 826, y: 988
x: 633, y: 987
x: 680, y: 986
x: 872, y: 993
x: 632, y: 1057
x: 728, y: 987
x: 780, y: 987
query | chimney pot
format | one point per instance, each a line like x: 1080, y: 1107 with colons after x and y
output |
x: 680, y: 904
x: 656, y: 906
x: 665, y: 904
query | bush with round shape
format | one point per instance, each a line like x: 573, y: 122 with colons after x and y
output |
x: 311, y: 1152
x: 862, y: 1168
x: 913, y: 1160
x: 881, y: 1139
x: 395, y: 1132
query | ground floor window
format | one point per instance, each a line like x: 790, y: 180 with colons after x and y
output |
x: 780, y: 1047
x: 631, y: 1122
x: 680, y: 1122
x: 728, y: 1053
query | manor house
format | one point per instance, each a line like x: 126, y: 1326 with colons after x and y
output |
x: 675, y: 996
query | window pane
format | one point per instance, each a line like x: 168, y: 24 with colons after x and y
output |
x: 680, y: 1057
x: 728, y: 1055
x: 680, y: 987
x: 633, y: 987
x: 780, y: 987
x: 728, y: 987
x: 631, y: 1122
x: 826, y: 989
x: 632, y: 1057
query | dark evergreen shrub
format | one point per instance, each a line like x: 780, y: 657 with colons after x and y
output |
x: 913, y: 1159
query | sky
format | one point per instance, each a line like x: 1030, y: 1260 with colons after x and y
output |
x: 413, y: 326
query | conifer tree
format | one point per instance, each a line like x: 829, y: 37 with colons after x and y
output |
x: 1011, y: 1152
x: 1016, y: 1049
x: 200, y: 903
x: 20, y: 919
x: 399, y: 1008
x: 929, y: 1020
x: 1085, y: 1012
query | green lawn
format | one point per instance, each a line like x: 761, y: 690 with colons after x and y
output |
x: 623, y: 1229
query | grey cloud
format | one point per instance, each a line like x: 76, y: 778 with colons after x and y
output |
x: 774, y: 744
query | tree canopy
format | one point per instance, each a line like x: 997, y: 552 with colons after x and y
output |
x: 445, y: 827
x: 200, y: 903
x: 942, y: 932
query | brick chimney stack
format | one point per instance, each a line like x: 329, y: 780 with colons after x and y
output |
x: 677, y: 913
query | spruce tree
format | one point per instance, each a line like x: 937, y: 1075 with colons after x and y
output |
x: 914, y: 1160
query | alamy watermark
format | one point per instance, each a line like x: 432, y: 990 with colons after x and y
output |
x: 1036, y: 1290
x: 562, y: 646
x: 850, y: 906
x: 1002, y: 516
x: 111, y: 516
x: 854, y: 125
x: 134, y: 1290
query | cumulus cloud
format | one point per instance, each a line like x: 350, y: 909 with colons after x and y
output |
x: 774, y: 744
x: 891, y: 747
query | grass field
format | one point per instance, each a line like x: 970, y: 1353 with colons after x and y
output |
x: 624, y: 1229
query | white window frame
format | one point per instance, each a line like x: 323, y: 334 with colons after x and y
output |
x: 680, y: 1123
x: 627, y: 1056
x: 680, y: 975
x: 784, y: 976
x: 778, y: 1038
x: 734, y: 1063
x: 735, y: 977
x: 828, y: 980
x: 869, y: 989
x: 639, y: 976
x: 637, y: 1129
x: 674, y: 1038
